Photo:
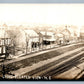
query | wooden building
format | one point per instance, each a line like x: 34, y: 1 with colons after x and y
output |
x: 59, y: 38
x: 47, y: 37
x: 32, y: 39
x: 5, y: 42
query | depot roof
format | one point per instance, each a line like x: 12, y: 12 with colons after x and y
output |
x: 47, y: 33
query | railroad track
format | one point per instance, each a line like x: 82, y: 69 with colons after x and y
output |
x: 59, y: 66
x: 56, y: 63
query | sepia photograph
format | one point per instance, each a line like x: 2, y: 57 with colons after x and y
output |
x: 42, y: 42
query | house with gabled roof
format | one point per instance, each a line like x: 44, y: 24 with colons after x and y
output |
x: 32, y: 39
x: 69, y: 34
x: 59, y: 38
x: 66, y: 34
x: 5, y: 41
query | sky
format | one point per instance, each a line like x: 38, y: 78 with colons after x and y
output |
x: 56, y: 14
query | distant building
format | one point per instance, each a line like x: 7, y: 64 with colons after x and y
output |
x: 4, y: 26
x: 82, y: 33
x: 82, y: 36
x: 66, y: 34
x: 69, y: 34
